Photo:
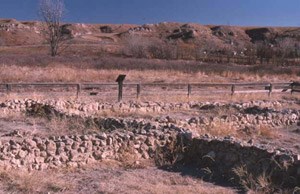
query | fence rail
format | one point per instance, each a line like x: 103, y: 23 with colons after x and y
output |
x: 139, y: 89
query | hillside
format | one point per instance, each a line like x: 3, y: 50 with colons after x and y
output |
x: 206, y: 38
x: 151, y: 52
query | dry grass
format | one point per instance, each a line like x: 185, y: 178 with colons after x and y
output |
x: 62, y: 73
x: 171, y: 153
x: 105, y: 177
x: 222, y: 129
x: 130, y: 160
x: 125, y: 114
x: 267, y: 132
x: 219, y: 129
x: 111, y: 96
x: 16, y: 181
x: 259, y: 184
x: 45, y: 127
x: 69, y: 126
x: 152, y: 71
x: 55, y: 74
x: 148, y: 180
x: 169, y: 96
x: 261, y: 131
x: 71, y: 96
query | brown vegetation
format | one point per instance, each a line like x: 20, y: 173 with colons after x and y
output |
x: 143, y: 70
x: 260, y: 183
x: 108, y: 177
x: 16, y: 181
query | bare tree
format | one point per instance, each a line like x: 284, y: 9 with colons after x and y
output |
x: 52, y: 12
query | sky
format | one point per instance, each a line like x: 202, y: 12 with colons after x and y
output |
x: 217, y: 12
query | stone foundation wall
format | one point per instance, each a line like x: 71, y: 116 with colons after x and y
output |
x: 247, y: 115
x: 241, y: 120
x: 140, y: 139
x: 77, y: 150
x: 223, y: 155
x: 87, y: 109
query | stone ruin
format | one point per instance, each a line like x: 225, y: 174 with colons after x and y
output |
x: 145, y: 140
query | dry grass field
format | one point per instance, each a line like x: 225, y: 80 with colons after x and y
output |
x: 108, y: 177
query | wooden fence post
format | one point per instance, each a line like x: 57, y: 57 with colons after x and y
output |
x: 232, y: 89
x: 120, y: 80
x: 138, y: 91
x: 270, y: 89
x: 120, y: 91
x: 8, y: 88
x: 78, y: 90
x: 189, y: 90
